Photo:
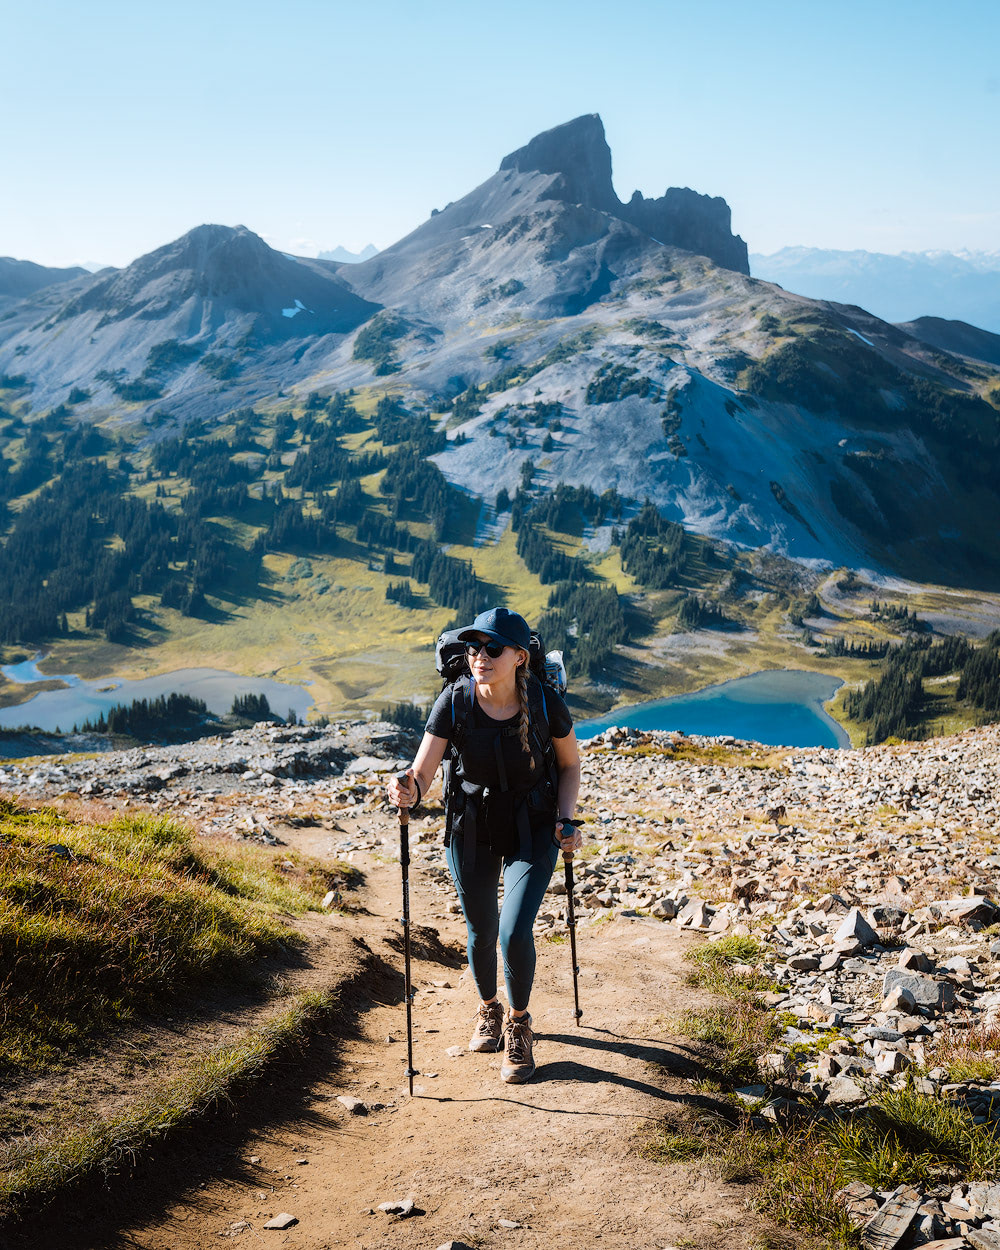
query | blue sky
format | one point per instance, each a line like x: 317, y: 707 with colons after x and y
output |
x: 856, y: 125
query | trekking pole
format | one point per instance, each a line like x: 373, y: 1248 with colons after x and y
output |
x: 571, y: 923
x: 404, y: 863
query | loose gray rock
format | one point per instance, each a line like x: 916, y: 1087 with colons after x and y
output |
x: 695, y: 915
x: 354, y: 1105
x: 368, y: 764
x: 751, y: 1093
x: 402, y: 1207
x: 887, y: 1229
x: 855, y: 926
x: 899, y: 999
x: 843, y: 1092
x: 914, y: 960
x: 974, y: 910
x: 925, y: 990
x: 859, y: 1201
x: 282, y: 1221
x: 985, y: 1197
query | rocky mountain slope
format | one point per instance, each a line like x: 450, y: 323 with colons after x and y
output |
x: 957, y: 337
x: 216, y: 307
x: 21, y: 278
x: 612, y: 345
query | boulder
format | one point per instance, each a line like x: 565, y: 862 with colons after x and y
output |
x: 926, y: 991
x: 843, y: 1092
x: 854, y: 927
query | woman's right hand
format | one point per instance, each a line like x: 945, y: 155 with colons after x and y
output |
x: 402, y: 790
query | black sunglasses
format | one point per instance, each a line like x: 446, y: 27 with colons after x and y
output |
x: 492, y: 649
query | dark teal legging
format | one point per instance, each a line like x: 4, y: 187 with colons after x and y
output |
x: 524, y: 884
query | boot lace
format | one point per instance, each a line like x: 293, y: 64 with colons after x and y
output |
x: 489, y: 1018
x: 518, y: 1040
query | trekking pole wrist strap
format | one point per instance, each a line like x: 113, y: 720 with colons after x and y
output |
x: 420, y: 794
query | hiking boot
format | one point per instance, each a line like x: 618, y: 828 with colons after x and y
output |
x: 489, y: 1027
x: 518, y: 1062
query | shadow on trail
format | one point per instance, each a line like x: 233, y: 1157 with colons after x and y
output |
x: 674, y: 1059
x: 671, y: 1059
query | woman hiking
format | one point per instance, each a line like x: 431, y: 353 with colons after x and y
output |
x: 509, y: 804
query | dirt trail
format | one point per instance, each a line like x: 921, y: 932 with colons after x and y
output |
x: 557, y: 1157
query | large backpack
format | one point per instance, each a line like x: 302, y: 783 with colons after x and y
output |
x: 462, y: 799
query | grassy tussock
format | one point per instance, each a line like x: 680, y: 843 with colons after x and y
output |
x: 31, y: 1170
x: 730, y: 966
x: 98, y: 922
x: 909, y: 1138
x: 969, y: 1054
x: 736, y: 1033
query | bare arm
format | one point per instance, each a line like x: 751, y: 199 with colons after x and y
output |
x: 425, y: 765
x: 568, y: 762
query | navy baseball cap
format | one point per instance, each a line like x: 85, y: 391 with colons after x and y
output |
x: 502, y: 626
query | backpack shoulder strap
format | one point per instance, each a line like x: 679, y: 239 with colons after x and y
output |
x: 538, y: 714
x: 463, y: 697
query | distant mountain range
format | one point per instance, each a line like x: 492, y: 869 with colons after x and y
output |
x: 962, y: 286
x: 342, y: 256
x: 563, y: 336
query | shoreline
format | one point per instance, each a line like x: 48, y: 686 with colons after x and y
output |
x: 217, y: 687
x: 817, y: 704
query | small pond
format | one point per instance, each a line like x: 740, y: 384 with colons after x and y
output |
x: 85, y: 700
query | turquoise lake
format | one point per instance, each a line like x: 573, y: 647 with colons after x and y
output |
x: 781, y: 708
x: 85, y: 700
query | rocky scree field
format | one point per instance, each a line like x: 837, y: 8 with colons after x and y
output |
x: 847, y: 912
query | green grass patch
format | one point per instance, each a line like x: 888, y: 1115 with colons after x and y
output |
x: 736, y: 1034
x: 665, y: 1146
x: 751, y: 757
x: 99, y: 922
x: 969, y: 1054
x: 906, y: 1138
x: 729, y: 966
x: 32, y: 1169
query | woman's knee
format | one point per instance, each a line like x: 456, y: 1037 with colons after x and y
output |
x: 483, y: 938
x: 516, y: 936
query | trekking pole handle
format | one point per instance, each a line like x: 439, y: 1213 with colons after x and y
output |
x: 567, y: 823
x: 404, y: 779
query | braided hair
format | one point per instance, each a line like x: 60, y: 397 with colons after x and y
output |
x: 521, y: 681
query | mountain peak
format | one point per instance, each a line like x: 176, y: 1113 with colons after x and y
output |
x: 206, y: 245
x: 218, y: 273
x: 579, y: 152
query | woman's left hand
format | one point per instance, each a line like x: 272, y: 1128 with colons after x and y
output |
x: 573, y: 839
